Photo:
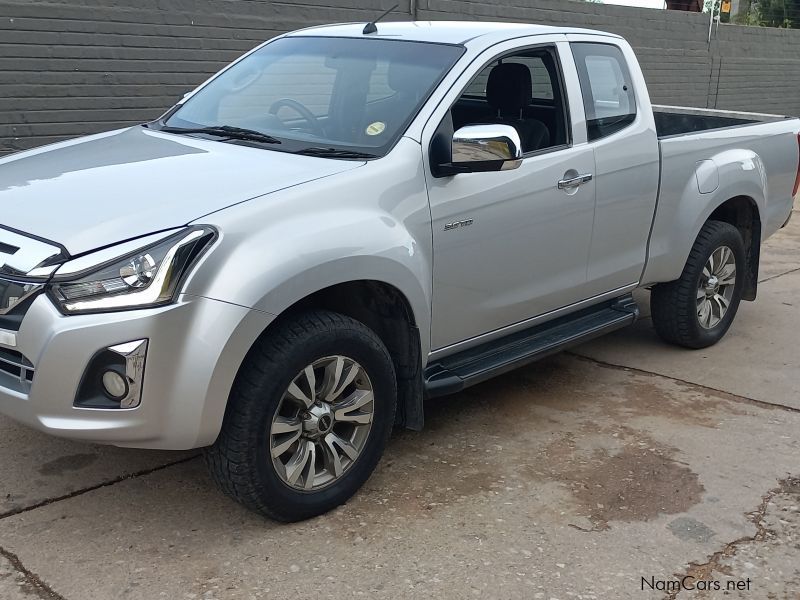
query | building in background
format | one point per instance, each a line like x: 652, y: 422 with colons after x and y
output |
x: 687, y: 5
x: 93, y: 65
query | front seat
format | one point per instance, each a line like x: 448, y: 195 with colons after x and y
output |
x: 509, y: 90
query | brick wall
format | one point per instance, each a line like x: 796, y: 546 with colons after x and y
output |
x: 72, y: 67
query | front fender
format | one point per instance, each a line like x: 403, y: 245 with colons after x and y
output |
x: 369, y: 223
x: 404, y: 275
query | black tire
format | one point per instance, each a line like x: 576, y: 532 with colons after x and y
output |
x: 240, y: 462
x: 673, y: 305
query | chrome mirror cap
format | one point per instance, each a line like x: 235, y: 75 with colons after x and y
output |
x: 487, y: 148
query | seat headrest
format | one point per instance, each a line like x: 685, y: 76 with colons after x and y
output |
x: 509, y: 86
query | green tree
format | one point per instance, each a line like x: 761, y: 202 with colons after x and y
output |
x: 747, y: 14
x: 778, y: 13
x: 765, y: 13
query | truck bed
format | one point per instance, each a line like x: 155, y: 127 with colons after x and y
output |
x: 707, y: 157
x: 679, y: 120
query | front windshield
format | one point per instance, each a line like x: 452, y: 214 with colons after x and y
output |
x: 356, y: 94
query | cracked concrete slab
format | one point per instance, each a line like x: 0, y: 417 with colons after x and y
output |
x: 36, y: 467
x: 561, y: 479
x: 13, y: 585
x: 18, y: 585
x: 764, y: 565
x: 771, y: 558
x: 758, y: 358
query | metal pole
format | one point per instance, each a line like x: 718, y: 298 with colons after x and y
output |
x: 711, y: 20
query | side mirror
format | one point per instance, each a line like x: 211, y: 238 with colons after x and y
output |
x: 482, y: 148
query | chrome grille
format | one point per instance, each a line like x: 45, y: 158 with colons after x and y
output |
x: 24, y: 256
x: 16, y: 365
x: 26, y: 264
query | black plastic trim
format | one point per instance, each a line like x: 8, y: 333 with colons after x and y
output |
x: 13, y: 363
x: 12, y: 321
x: 90, y: 392
x: 474, y: 365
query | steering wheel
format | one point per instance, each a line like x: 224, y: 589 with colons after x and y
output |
x: 300, y: 109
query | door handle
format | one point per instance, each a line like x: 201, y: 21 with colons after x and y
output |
x: 564, y: 184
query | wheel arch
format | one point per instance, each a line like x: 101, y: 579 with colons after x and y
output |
x: 386, y: 309
x: 341, y: 282
x: 743, y: 213
x: 686, y: 312
x: 739, y: 199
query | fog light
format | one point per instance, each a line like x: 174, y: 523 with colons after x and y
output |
x: 115, y: 385
x: 113, y: 378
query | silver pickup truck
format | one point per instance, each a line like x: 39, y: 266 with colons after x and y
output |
x: 348, y: 220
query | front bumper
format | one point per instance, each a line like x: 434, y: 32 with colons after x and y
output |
x: 194, y: 350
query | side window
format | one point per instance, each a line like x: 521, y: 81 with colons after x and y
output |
x: 523, y: 90
x: 606, y: 87
x: 542, y: 86
x: 540, y: 77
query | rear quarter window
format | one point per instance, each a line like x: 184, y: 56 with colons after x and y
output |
x: 606, y: 86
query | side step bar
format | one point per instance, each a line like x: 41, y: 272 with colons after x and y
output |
x: 454, y: 373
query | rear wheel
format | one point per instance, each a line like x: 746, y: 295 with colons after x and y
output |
x: 696, y: 310
x: 308, y: 418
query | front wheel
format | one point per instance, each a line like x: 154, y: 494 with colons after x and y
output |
x: 308, y: 418
x: 696, y: 310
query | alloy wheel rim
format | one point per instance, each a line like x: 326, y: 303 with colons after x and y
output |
x: 322, y: 423
x: 715, y: 287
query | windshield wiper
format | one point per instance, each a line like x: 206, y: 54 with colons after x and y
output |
x: 334, y: 153
x: 237, y: 133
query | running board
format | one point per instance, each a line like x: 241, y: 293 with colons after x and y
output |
x: 458, y: 371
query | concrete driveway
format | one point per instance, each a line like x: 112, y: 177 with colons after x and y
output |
x: 613, y: 471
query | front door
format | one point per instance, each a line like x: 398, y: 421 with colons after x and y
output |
x: 512, y: 245
x: 519, y: 247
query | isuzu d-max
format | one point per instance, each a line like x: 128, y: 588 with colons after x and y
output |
x: 348, y: 220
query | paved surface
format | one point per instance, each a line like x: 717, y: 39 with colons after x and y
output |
x: 614, y: 471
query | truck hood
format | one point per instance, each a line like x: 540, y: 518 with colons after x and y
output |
x: 103, y: 189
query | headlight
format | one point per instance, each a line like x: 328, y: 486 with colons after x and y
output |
x: 149, y: 277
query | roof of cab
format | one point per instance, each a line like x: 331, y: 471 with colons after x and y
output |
x: 443, y: 32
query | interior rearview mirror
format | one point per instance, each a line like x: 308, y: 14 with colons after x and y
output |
x: 481, y: 148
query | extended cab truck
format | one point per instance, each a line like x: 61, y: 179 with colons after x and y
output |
x: 346, y: 221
